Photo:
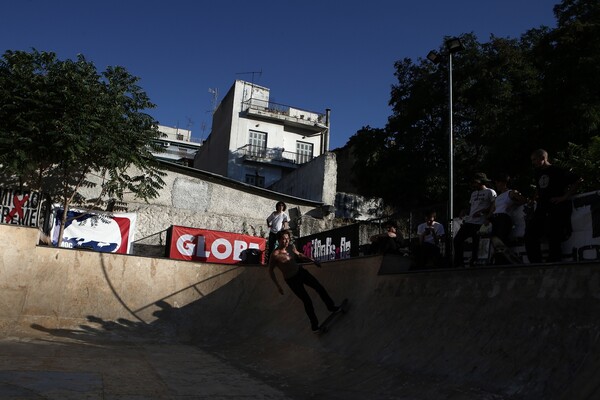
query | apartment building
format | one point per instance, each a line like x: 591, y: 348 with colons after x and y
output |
x: 256, y: 141
x: 178, y: 146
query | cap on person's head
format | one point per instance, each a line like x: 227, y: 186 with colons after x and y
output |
x: 481, y: 178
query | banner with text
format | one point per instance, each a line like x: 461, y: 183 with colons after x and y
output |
x: 335, y: 244
x: 20, y: 207
x: 107, y: 233
x: 205, y: 245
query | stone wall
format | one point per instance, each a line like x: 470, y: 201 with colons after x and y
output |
x: 201, y: 199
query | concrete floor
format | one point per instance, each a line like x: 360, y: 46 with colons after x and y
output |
x: 90, y: 368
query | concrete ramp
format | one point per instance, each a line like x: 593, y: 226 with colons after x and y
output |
x: 488, y: 333
x: 212, y: 331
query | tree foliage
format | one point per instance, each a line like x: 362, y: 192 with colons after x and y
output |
x: 510, y: 96
x: 61, y: 122
x: 584, y: 160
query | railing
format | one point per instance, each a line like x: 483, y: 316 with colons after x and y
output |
x: 282, y: 109
x: 273, y: 154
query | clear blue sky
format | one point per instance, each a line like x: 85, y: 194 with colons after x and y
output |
x: 313, y: 54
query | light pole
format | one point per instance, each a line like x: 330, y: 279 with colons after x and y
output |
x: 453, y: 45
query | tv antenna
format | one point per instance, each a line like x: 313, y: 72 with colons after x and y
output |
x: 203, y: 129
x: 215, y: 97
x: 253, y: 73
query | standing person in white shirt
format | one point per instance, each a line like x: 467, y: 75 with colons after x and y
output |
x: 504, y: 204
x: 481, y: 202
x: 277, y: 221
x: 502, y: 221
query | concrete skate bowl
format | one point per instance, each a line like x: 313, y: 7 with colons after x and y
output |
x: 494, y: 333
x: 519, y: 333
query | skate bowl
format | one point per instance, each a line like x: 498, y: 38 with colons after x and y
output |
x: 487, y: 333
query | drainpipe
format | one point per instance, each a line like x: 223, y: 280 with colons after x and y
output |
x: 326, y: 133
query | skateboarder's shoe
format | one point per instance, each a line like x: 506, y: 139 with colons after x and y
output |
x: 337, y: 310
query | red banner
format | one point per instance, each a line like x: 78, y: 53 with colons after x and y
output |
x: 211, y: 246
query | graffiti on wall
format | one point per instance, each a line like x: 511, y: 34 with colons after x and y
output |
x: 20, y: 207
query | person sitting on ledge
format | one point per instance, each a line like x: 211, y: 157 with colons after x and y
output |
x: 388, y: 242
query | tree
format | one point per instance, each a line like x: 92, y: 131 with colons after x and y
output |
x: 510, y: 96
x: 572, y: 81
x: 369, y: 147
x: 583, y: 160
x: 61, y: 123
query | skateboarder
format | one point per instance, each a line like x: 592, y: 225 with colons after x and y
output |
x: 284, y: 258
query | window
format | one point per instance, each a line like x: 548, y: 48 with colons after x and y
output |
x: 304, y: 152
x: 255, y: 180
x: 257, y: 143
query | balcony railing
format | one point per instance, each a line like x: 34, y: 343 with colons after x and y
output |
x: 304, y: 116
x: 278, y: 154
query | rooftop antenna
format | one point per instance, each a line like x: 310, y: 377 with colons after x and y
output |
x: 203, y: 129
x: 215, y: 97
x: 259, y: 73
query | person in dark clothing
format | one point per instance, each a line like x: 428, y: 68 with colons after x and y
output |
x: 296, y: 277
x: 552, y: 215
x: 388, y: 242
x: 431, y: 233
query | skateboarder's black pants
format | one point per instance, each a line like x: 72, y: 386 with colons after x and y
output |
x: 296, y: 284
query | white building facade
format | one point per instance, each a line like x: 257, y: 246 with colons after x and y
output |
x: 177, y: 146
x: 258, y: 142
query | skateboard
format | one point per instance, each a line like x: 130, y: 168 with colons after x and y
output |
x: 324, y: 327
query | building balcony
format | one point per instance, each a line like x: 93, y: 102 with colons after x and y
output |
x: 275, y: 156
x: 179, y: 153
x: 287, y: 115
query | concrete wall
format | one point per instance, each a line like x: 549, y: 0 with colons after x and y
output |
x: 315, y: 180
x: 213, y: 156
x: 62, y: 288
x: 202, y: 200
x: 484, y: 333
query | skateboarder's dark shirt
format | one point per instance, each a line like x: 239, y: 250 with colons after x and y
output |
x: 285, y: 260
